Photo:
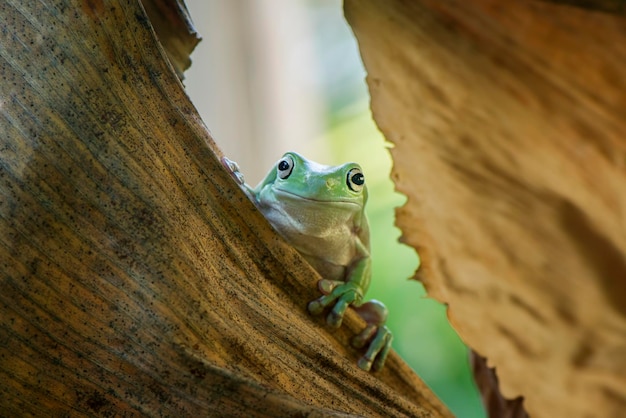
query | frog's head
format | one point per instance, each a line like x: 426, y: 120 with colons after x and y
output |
x: 296, y: 177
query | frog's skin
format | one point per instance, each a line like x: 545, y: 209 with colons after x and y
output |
x: 319, y: 210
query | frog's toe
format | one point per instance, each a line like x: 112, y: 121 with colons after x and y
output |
x: 365, y: 336
x: 230, y: 164
x: 349, y: 296
x: 374, y: 358
x: 365, y: 363
x: 334, y: 320
x: 233, y: 169
x: 335, y: 317
x: 327, y: 286
x: 316, y: 307
x: 342, y: 296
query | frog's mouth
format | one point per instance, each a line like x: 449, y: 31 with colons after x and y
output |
x: 335, y: 202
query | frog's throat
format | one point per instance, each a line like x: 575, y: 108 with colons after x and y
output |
x: 339, y: 202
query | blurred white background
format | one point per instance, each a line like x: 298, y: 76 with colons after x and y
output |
x: 263, y: 74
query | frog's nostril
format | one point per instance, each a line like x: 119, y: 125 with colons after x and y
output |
x: 330, y: 183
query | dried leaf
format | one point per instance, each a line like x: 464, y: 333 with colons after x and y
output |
x: 508, y: 125
x: 137, y: 279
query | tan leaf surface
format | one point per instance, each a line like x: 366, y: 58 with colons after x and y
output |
x: 137, y: 279
x: 508, y: 120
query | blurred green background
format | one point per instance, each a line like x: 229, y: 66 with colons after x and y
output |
x: 278, y: 75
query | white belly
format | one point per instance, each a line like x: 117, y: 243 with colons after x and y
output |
x: 320, y: 231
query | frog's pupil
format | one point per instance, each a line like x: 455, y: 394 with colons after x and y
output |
x: 283, y: 165
x: 358, y: 179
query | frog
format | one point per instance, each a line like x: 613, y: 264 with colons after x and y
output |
x: 320, y: 211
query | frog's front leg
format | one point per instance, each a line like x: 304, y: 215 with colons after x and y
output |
x: 343, y: 294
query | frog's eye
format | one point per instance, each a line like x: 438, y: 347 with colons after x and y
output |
x: 355, y: 180
x: 285, y: 167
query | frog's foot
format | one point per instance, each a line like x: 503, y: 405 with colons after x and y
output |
x: 341, y: 293
x: 376, y: 335
x: 233, y: 169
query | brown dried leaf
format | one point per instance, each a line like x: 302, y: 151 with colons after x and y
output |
x: 137, y: 279
x: 508, y: 120
x: 172, y: 24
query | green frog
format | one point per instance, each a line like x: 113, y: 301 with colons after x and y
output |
x: 319, y: 210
